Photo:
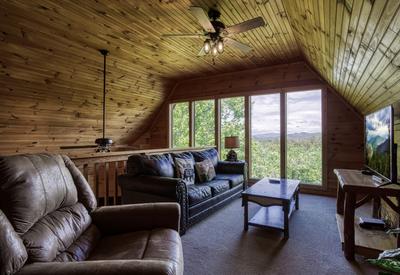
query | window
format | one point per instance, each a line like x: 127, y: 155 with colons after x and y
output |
x: 180, y: 124
x: 232, y: 124
x: 304, y: 136
x: 265, y: 136
x: 297, y: 116
x: 204, y: 123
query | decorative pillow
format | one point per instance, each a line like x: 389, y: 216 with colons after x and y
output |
x: 185, y: 170
x: 205, y: 170
x: 211, y: 154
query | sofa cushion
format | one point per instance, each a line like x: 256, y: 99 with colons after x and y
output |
x: 234, y: 179
x: 56, y: 232
x: 198, y: 193
x: 82, y: 247
x: 157, y: 165
x: 134, y: 165
x: 157, y: 244
x: 33, y: 186
x: 205, y: 170
x: 183, y: 155
x: 211, y: 154
x: 218, y: 186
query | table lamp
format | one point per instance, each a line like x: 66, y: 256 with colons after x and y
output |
x: 231, y: 143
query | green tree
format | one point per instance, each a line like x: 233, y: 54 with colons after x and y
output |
x: 180, y: 124
x: 204, y: 123
x: 232, y: 123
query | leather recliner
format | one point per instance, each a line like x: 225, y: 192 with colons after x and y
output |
x: 50, y: 224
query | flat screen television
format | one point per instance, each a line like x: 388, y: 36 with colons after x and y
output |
x: 379, y: 142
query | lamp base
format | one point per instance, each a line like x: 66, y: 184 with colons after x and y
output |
x: 231, y: 156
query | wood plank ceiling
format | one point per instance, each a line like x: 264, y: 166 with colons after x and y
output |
x: 353, y: 44
x: 50, y: 69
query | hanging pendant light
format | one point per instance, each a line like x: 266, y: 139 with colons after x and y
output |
x: 104, y: 144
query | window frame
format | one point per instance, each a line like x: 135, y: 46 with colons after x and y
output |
x: 247, y: 121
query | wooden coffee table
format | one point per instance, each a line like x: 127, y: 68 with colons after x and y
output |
x: 278, y: 200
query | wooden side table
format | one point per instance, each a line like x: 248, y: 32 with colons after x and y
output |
x: 350, y: 184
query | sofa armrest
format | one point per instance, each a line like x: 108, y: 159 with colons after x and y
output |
x: 134, y: 217
x: 171, y: 188
x: 230, y: 167
x: 163, y: 186
x: 108, y: 267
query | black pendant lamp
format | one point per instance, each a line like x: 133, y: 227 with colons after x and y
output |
x: 104, y: 144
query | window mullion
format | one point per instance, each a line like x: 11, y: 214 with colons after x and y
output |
x: 283, y: 120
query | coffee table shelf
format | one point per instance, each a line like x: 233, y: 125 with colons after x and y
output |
x: 271, y: 217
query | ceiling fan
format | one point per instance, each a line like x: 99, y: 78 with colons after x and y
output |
x: 216, y: 34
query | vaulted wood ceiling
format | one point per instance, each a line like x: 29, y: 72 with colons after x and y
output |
x: 353, y: 44
x: 50, y: 69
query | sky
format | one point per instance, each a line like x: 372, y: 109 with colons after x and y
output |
x: 303, y: 113
x: 378, y: 123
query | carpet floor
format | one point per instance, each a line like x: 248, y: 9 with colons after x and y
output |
x: 218, y: 244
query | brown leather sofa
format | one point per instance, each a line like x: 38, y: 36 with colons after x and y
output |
x: 50, y: 224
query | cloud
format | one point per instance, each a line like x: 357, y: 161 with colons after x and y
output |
x: 303, y: 112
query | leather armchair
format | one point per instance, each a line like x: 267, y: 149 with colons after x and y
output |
x: 50, y: 224
x: 143, y: 188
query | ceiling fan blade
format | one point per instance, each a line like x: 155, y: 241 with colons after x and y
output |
x: 201, y: 52
x: 183, y: 35
x: 246, y: 25
x: 243, y: 47
x: 202, y: 17
x: 77, y: 147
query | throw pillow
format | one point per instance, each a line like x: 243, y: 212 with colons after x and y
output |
x: 211, y: 154
x: 205, y: 170
x: 185, y: 170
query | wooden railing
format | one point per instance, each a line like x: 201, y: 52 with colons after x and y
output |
x: 101, y: 170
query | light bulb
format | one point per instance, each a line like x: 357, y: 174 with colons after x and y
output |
x: 207, y: 46
x: 214, y: 50
x: 220, y: 46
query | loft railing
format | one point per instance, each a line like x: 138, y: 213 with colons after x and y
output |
x: 101, y: 170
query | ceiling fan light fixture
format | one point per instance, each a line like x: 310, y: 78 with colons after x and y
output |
x: 220, y: 46
x: 207, y: 46
x: 214, y: 50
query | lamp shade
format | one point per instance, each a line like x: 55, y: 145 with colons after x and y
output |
x: 232, y: 142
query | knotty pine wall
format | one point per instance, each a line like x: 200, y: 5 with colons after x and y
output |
x: 344, y: 135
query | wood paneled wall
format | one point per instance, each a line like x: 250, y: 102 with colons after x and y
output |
x: 345, y: 138
x: 344, y: 125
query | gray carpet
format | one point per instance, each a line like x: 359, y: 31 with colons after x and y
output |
x: 218, y: 244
